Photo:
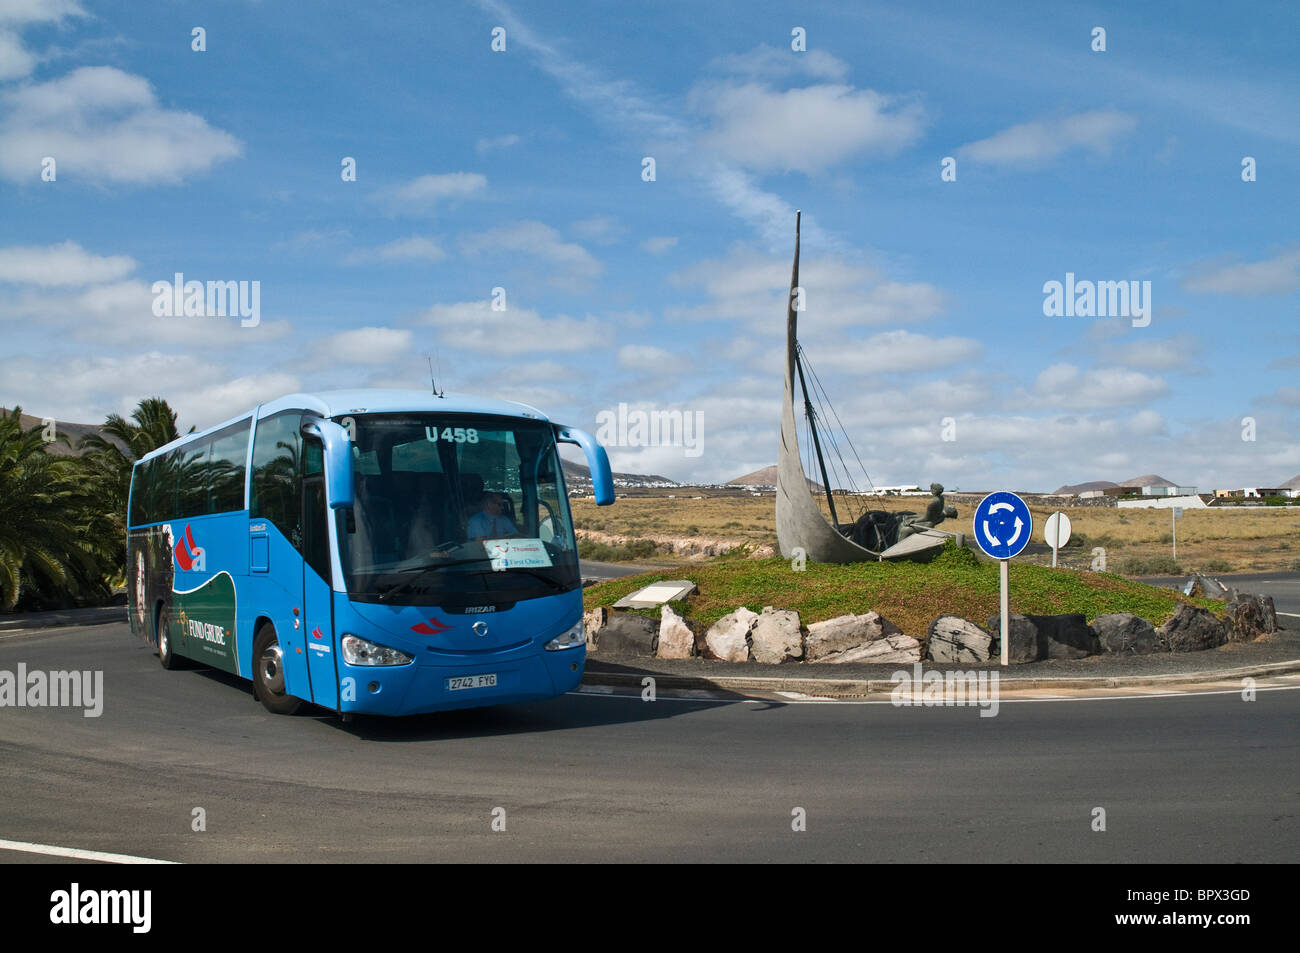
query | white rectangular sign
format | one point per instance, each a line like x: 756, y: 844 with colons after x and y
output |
x: 516, y: 554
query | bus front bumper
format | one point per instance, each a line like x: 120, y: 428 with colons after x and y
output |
x: 420, y: 688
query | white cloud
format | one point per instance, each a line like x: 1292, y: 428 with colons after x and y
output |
x: 803, y: 130
x: 495, y: 143
x: 414, y: 248
x: 1146, y: 423
x: 660, y: 245
x: 65, y: 264
x: 896, y: 352
x: 537, y: 240
x: 750, y: 285
x: 15, y: 61
x: 474, y: 326
x: 120, y: 314
x: 364, y: 346
x: 1066, y: 385
x: 1275, y: 276
x: 101, y: 124
x: 600, y: 229
x: 202, y: 392
x: 1167, y: 354
x: 1039, y: 141
x: 425, y: 192
x: 1286, y: 396
x: 312, y: 239
x: 769, y: 62
x: 38, y: 11
x: 642, y: 357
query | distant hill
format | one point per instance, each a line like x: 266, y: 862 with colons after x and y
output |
x: 1147, y: 479
x: 582, y: 472
x: 1076, y: 488
x: 767, y: 477
x: 74, y: 432
x: 1293, y: 483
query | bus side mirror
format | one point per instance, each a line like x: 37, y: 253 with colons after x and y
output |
x: 338, y: 460
x: 602, y: 480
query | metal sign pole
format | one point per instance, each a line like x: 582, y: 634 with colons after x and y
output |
x: 1174, y: 522
x: 1003, y: 563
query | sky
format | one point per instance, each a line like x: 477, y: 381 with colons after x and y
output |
x: 950, y: 163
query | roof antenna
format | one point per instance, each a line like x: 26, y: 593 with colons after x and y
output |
x: 433, y: 381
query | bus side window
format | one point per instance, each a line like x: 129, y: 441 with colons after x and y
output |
x: 277, y: 478
x: 315, y: 542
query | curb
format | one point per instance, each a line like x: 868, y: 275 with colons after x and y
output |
x: 97, y: 615
x: 829, y: 687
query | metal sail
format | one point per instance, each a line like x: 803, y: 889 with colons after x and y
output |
x: 799, y: 521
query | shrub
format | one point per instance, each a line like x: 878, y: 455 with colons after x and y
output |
x: 1150, y: 566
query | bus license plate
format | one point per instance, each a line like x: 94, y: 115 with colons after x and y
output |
x: 461, y: 682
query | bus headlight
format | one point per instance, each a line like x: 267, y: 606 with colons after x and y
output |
x: 569, y: 640
x: 359, y: 651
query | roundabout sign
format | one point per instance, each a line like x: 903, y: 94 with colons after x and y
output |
x: 1002, y: 527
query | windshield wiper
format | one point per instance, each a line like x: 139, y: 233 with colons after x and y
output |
x: 422, y: 571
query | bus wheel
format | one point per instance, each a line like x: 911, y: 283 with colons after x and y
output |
x: 268, y: 673
x: 170, y: 660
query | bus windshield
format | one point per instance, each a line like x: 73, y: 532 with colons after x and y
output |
x: 455, y: 509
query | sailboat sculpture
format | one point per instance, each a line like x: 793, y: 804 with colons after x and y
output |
x: 800, y: 523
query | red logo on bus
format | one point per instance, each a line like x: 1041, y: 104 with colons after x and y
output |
x: 432, y: 627
x: 316, y: 633
x: 186, y: 552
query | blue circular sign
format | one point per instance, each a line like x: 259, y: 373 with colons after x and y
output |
x: 1003, y: 525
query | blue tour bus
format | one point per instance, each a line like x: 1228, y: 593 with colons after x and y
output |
x: 379, y: 551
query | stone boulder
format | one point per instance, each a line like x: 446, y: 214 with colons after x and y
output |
x: 1123, y: 633
x: 886, y: 650
x: 676, y: 640
x: 1249, y: 617
x: 1065, y: 636
x: 1022, y: 639
x: 1193, y: 630
x: 728, y: 639
x: 829, y: 641
x: 627, y: 634
x: 776, y: 636
x: 592, y: 623
x: 952, y: 639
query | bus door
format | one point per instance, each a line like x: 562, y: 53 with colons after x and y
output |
x: 317, y: 600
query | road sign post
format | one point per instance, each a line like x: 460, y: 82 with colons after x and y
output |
x: 1003, y: 525
x: 1178, y: 511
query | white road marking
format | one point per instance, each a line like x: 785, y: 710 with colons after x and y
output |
x: 77, y: 853
x: 1156, y: 693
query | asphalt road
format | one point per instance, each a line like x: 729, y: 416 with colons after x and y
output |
x: 1183, y: 779
x: 1284, y: 587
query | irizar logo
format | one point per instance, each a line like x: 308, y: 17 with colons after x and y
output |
x: 75, y: 906
x: 480, y: 609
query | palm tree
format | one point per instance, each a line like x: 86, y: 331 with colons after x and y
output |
x: 42, y: 508
x: 107, y: 460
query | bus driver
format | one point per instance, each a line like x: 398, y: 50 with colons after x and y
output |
x: 491, y: 522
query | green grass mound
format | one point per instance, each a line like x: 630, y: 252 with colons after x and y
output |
x: 908, y: 594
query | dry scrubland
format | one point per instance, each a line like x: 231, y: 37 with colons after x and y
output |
x: 1137, y: 542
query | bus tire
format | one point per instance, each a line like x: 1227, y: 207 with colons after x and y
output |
x: 268, y: 673
x: 166, y: 650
